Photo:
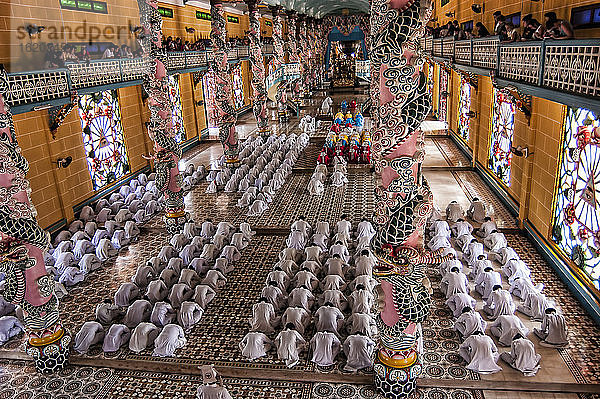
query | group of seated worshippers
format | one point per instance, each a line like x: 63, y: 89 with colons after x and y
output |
x: 100, y: 231
x: 478, y: 349
x: 266, y: 163
x: 10, y: 326
x: 169, y: 294
x: 316, y: 185
x: 319, y: 290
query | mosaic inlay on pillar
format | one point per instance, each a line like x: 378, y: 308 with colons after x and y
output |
x: 403, y: 198
x: 161, y: 130
x: 279, y: 60
x: 292, y: 25
x: 259, y: 102
x: 22, y: 246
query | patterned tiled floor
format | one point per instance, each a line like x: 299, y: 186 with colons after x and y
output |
x: 453, y: 155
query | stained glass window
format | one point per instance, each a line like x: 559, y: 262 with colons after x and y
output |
x: 238, y: 87
x: 464, y: 106
x: 576, y: 228
x: 502, y: 130
x: 177, y: 114
x: 443, y: 105
x: 103, y: 138
x: 209, y: 88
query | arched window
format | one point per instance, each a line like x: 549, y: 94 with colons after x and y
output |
x: 576, y: 224
x: 103, y: 138
x: 502, y: 131
x: 238, y: 87
x: 177, y: 114
x: 464, y: 106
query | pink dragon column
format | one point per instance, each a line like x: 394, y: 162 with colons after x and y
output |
x: 259, y: 105
x: 160, y: 127
x: 226, y: 115
x: 279, y: 60
x: 404, y: 201
x: 22, y: 246
x: 292, y: 25
x: 302, y: 38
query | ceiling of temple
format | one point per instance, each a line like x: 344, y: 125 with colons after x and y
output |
x: 321, y: 8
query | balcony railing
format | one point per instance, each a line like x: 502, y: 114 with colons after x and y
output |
x: 48, y: 86
x: 565, y: 65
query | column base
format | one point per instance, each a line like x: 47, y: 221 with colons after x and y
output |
x: 50, y: 350
x: 175, y: 221
x: 396, y: 383
x: 264, y: 132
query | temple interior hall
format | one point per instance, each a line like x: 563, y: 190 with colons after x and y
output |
x: 300, y: 199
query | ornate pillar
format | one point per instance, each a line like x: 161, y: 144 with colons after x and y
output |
x: 302, y: 39
x: 160, y: 127
x: 279, y: 60
x: 226, y: 115
x: 259, y: 103
x: 22, y: 246
x: 292, y: 20
x: 404, y: 201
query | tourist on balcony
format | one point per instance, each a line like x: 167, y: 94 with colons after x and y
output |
x: 482, y: 30
x: 530, y: 28
x: 126, y: 51
x: 500, y: 21
x: 511, y: 34
x: 53, y: 59
x: 84, y: 54
x: 558, y: 29
x: 109, y: 52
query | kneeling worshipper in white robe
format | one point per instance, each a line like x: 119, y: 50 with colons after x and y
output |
x: 91, y: 333
x: 240, y: 241
x: 224, y: 265
x: 180, y: 293
x: 325, y: 347
x: 105, y: 250
x: 298, y: 316
x: 289, y: 343
x: 143, y: 336
x: 487, y: 227
x: 6, y: 307
x: 454, y: 282
x: 83, y: 247
x: 107, y: 312
x: 481, y: 354
x: 126, y: 294
x: 449, y: 264
x: 506, y: 327
x: 71, y: 276
x: 117, y: 336
x: 361, y: 323
x: 440, y: 228
x: 119, y: 239
x: 468, y: 322
x: 338, y: 179
x: 494, y: 241
x: 486, y: 281
x: 336, y: 297
x: 169, y: 340
x: 499, y: 303
x: 211, y: 388
x: 358, y: 349
x: 477, y: 210
x: 143, y: 275
x: 273, y: 294
x: 231, y: 186
x: 553, y: 331
x: 534, y: 305
x: 329, y: 318
x: 10, y: 326
x: 459, y: 301
x: 461, y: 227
x: 515, y: 268
x: 190, y: 230
x: 305, y: 278
x: 315, y: 187
x: 365, y: 229
x: 225, y: 228
x: 231, y: 253
x: 302, y: 297
x: 522, y: 356
x: 474, y: 249
x: 280, y: 277
x: 212, y: 188
x: 162, y: 314
x: 189, y: 277
x: 64, y: 260
x: 189, y: 253
x: 479, y: 266
x: 454, y: 211
x: 215, y: 280
x: 364, y: 264
x: 203, y: 295
x: 137, y: 312
x: 257, y: 208
x: 437, y: 242
x: 255, y: 345
x: 246, y: 200
x: 209, y: 252
x: 361, y: 300
x: 189, y: 314
x: 522, y: 286
x: 463, y: 241
x: 170, y: 277
x: 208, y: 230
x: 263, y: 317
x: 246, y: 230
x: 220, y: 240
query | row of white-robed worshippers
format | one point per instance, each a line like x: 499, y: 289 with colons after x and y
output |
x: 318, y: 296
x: 95, y: 237
x: 480, y: 253
x: 168, y: 294
x: 316, y: 184
x: 264, y: 167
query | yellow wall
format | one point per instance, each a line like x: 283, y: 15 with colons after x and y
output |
x: 463, y: 12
